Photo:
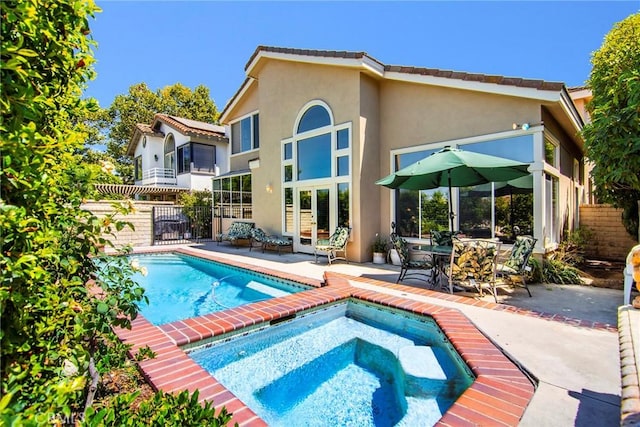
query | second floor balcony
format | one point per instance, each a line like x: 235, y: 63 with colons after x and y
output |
x: 158, y: 176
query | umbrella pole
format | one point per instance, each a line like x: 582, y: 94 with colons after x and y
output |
x: 451, y: 214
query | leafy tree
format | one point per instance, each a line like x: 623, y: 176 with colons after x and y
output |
x: 613, y: 136
x: 197, y: 207
x: 56, y: 332
x: 140, y: 105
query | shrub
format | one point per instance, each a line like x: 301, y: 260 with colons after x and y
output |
x: 163, y: 409
x: 56, y: 331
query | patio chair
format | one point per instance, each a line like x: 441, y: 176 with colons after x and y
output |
x: 420, y: 269
x: 277, y: 243
x: 258, y: 238
x: 473, y: 265
x: 335, y: 244
x: 515, y: 268
x: 269, y: 242
x: 443, y: 238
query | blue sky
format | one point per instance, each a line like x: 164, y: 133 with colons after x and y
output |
x: 209, y: 42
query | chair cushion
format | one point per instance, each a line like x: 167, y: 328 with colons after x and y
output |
x: 278, y: 241
x: 258, y: 234
x: 505, y: 269
x: 443, y: 238
x: 473, y: 259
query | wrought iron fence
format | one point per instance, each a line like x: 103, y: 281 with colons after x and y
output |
x: 181, y: 224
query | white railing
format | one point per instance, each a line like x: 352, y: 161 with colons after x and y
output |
x: 159, y: 176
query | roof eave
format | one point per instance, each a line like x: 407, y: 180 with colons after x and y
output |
x: 476, y: 86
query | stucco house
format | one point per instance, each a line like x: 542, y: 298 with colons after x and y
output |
x: 311, y: 131
x: 173, y: 155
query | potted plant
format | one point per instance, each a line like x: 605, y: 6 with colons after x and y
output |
x: 379, y: 249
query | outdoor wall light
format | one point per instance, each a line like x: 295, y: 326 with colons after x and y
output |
x: 525, y: 126
x: 269, y: 188
x: 155, y: 157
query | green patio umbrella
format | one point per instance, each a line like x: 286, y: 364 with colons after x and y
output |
x: 522, y: 185
x: 451, y: 167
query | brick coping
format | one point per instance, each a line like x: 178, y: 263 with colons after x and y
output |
x: 499, y: 395
x: 629, y: 339
x: 570, y: 321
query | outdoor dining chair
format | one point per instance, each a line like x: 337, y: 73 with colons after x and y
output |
x: 473, y: 265
x: 420, y: 269
x: 336, y: 244
x: 443, y: 238
x: 515, y: 268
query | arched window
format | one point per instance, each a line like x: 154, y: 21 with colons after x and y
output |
x: 313, y: 148
x: 315, y: 117
x: 169, y: 151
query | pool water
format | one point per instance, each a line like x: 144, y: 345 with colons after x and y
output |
x: 348, y: 364
x: 181, y: 286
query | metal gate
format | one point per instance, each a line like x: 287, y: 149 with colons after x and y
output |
x: 181, y: 224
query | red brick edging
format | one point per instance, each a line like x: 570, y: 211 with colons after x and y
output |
x: 498, y: 396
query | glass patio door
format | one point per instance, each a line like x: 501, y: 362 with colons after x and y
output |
x: 313, y: 215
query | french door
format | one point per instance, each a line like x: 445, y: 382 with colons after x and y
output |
x: 313, y: 217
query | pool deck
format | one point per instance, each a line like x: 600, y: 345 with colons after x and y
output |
x: 575, y: 358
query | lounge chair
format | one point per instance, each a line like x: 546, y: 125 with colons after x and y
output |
x: 335, y: 244
x: 473, y: 265
x: 420, y: 269
x: 517, y: 265
x: 258, y: 238
x: 236, y: 232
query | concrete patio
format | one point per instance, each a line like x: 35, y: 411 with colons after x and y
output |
x: 565, y: 336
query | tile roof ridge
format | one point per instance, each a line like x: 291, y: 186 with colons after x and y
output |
x: 479, y: 77
x: 347, y: 54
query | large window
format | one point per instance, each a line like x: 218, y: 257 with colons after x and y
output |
x: 502, y: 210
x: 314, y: 157
x: 232, y: 197
x: 194, y: 157
x: 245, y: 134
x: 318, y: 154
x: 420, y: 211
x: 481, y: 210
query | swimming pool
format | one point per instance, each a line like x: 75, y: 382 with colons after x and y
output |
x: 351, y: 363
x: 181, y: 286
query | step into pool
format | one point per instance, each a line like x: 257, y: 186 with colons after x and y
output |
x: 352, y: 363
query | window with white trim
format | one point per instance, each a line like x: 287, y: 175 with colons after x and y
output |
x: 245, y: 134
x: 232, y: 197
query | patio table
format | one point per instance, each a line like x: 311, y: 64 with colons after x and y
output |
x: 441, y: 256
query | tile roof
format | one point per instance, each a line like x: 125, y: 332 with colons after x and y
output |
x: 190, y: 127
x: 435, y: 72
x: 517, y: 82
x: 148, y: 130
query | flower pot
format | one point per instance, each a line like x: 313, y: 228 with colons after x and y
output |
x: 379, y: 258
x: 394, y: 257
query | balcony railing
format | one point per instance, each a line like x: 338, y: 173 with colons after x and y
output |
x: 159, y: 176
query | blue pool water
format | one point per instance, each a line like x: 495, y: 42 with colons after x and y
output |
x: 180, y: 286
x: 348, y: 364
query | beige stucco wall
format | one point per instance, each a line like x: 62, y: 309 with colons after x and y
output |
x: 366, y: 161
x: 419, y: 114
x: 284, y: 89
x: 385, y: 115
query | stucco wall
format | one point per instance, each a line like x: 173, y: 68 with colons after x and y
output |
x: 610, y: 239
x: 284, y: 90
x: 385, y: 115
x: 141, y: 220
